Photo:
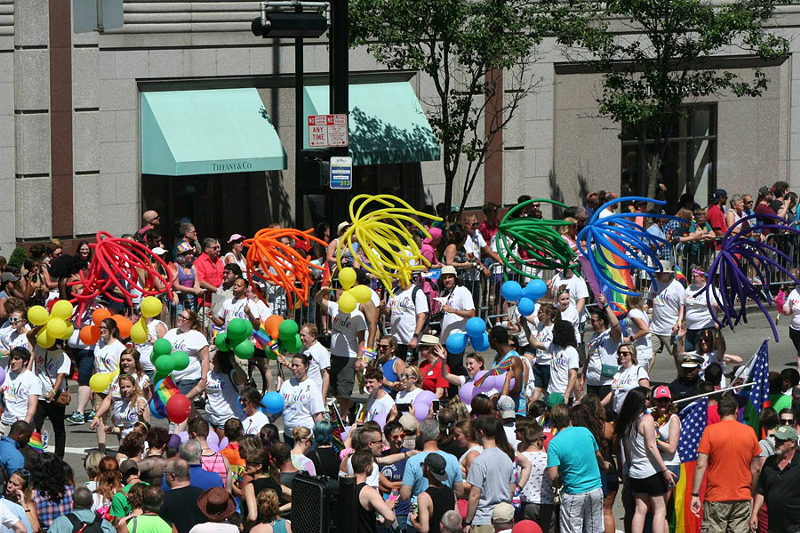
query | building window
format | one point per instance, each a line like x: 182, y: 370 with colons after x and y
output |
x: 689, y: 162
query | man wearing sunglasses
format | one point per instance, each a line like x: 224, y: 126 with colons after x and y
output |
x: 779, y: 485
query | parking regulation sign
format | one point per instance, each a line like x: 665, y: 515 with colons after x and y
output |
x: 341, y: 173
x: 327, y: 130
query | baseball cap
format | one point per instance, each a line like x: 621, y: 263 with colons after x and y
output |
x: 720, y: 193
x: 8, y: 276
x: 763, y: 191
x: 235, y: 237
x: 428, y: 340
x: 506, y: 407
x: 554, y: 398
x: 409, y: 423
x: 437, y: 466
x: 448, y: 269
x: 503, y: 513
x: 666, y: 266
x: 662, y: 392
x: 785, y: 433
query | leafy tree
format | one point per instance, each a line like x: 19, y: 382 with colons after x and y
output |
x: 461, y: 45
x: 659, y: 56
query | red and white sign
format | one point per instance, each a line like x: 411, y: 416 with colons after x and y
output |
x: 327, y: 130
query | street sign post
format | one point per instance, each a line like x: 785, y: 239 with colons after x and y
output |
x: 325, y: 131
x: 341, y: 173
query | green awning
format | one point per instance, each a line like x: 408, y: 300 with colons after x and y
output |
x: 387, y: 124
x: 218, y: 131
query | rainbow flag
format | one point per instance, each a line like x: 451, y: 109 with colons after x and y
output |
x: 498, y: 368
x: 618, y: 270
x: 694, y: 419
x: 165, y: 390
x: 338, y: 429
x: 261, y: 338
x: 36, y: 442
x: 680, y: 276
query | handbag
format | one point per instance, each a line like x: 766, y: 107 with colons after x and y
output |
x: 63, y: 397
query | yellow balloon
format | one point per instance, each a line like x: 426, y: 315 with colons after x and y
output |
x: 347, y: 276
x: 70, y: 330
x: 139, y: 332
x: 347, y: 303
x: 44, y: 340
x: 37, y: 315
x: 56, y: 327
x: 62, y: 309
x: 100, y: 381
x: 361, y: 293
x: 151, y: 306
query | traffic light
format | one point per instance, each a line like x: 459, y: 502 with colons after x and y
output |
x: 287, y: 24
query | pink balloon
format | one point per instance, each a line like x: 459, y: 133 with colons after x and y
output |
x: 184, y: 436
x: 466, y: 392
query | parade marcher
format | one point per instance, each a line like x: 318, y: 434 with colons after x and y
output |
x: 186, y: 337
x: 223, y: 383
x: 408, y: 311
x: 126, y: 409
x: 669, y: 304
x: 21, y: 390
x: 628, y: 376
x: 565, y: 361
x: 52, y: 366
x: 303, y: 403
x: 319, y: 368
x: 601, y: 361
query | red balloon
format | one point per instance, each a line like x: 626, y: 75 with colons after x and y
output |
x: 178, y: 408
x: 90, y: 335
x: 526, y: 526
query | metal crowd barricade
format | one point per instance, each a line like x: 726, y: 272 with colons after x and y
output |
x: 700, y: 254
x: 789, y: 244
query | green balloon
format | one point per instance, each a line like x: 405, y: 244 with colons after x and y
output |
x: 161, y: 347
x: 181, y: 360
x: 158, y: 377
x: 221, y: 340
x: 164, y: 365
x: 288, y: 329
x: 293, y: 345
x: 237, y: 330
x: 245, y: 349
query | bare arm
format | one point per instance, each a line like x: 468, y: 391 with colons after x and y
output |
x: 525, y: 471
x: 573, y: 378
x: 472, y: 503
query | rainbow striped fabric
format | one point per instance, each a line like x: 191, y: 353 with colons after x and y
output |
x: 694, y: 419
x: 165, y: 389
x: 498, y: 368
x: 338, y: 429
x: 36, y: 442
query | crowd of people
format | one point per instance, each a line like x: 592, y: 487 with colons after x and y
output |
x: 573, y: 423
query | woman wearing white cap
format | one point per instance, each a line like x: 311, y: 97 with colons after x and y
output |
x: 458, y: 305
x: 236, y: 255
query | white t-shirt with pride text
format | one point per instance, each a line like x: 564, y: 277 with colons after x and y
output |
x: 667, y: 304
x: 404, y: 312
x: 319, y: 360
x: 106, y: 356
x: 47, y: 365
x: 344, y: 331
x: 192, y: 342
x: 16, y: 388
x: 563, y: 360
x: 301, y: 401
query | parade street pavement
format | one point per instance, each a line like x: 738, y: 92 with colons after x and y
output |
x: 745, y: 341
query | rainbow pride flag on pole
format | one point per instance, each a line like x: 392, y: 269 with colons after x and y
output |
x: 165, y: 390
x: 694, y: 419
x: 338, y: 429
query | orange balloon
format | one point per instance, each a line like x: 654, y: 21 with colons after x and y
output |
x: 272, y: 325
x: 99, y: 315
x: 90, y: 335
x: 124, y: 325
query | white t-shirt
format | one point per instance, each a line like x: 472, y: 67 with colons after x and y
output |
x: 222, y: 399
x: 145, y: 349
x: 106, y: 356
x: 10, y: 338
x: 793, y: 302
x: 376, y: 407
x: 473, y: 245
x: 404, y: 312
x: 252, y: 424
x: 233, y: 308
x: 570, y: 314
x: 301, y: 401
x: 644, y: 345
x: 543, y: 334
x: 113, y: 388
x: 126, y: 413
x: 563, y: 360
x: 712, y: 357
x: 7, y: 518
x: 624, y: 381
x: 460, y: 299
x: 405, y: 396
x: 192, y: 342
x: 666, y: 305
x: 319, y: 359
x: 48, y: 364
x: 16, y: 389
x: 602, y: 363
x: 697, y: 314
x: 344, y: 330
x: 577, y: 290
x: 374, y: 478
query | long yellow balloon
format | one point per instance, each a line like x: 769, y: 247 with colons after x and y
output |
x: 384, y: 239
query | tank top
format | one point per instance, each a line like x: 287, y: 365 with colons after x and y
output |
x: 641, y: 465
x: 262, y: 484
x: 365, y: 518
x: 242, y: 263
x: 184, y: 279
x: 278, y: 526
x: 443, y: 500
x: 215, y: 463
x: 670, y: 459
x: 388, y: 372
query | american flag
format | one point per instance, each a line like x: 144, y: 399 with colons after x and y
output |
x: 759, y: 375
x: 694, y: 419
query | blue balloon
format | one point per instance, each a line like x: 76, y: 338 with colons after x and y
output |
x: 525, y: 306
x: 456, y: 343
x: 475, y: 326
x: 535, y: 289
x: 511, y: 291
x: 272, y: 402
x: 481, y: 344
x: 155, y: 412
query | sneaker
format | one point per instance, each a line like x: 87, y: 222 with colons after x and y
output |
x: 90, y: 415
x: 76, y: 418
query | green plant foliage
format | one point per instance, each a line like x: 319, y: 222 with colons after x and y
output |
x: 18, y: 257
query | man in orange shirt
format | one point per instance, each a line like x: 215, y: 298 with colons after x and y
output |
x: 729, y: 450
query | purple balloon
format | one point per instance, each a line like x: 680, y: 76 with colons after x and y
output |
x: 345, y: 432
x: 467, y: 392
x: 422, y: 404
x: 380, y: 418
x: 184, y: 436
x: 2, y: 375
x: 213, y: 440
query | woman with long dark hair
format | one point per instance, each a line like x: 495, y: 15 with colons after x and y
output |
x: 649, y: 477
x: 265, y: 476
x: 565, y: 360
x: 109, y: 482
x: 52, y: 494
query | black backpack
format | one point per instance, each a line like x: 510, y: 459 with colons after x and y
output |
x: 86, y: 527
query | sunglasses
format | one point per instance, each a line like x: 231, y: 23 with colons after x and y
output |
x: 408, y: 376
x: 623, y: 353
x: 383, y: 346
x: 15, y: 319
x: 181, y: 317
x: 787, y: 421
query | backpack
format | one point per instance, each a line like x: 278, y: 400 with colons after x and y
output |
x: 79, y: 526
